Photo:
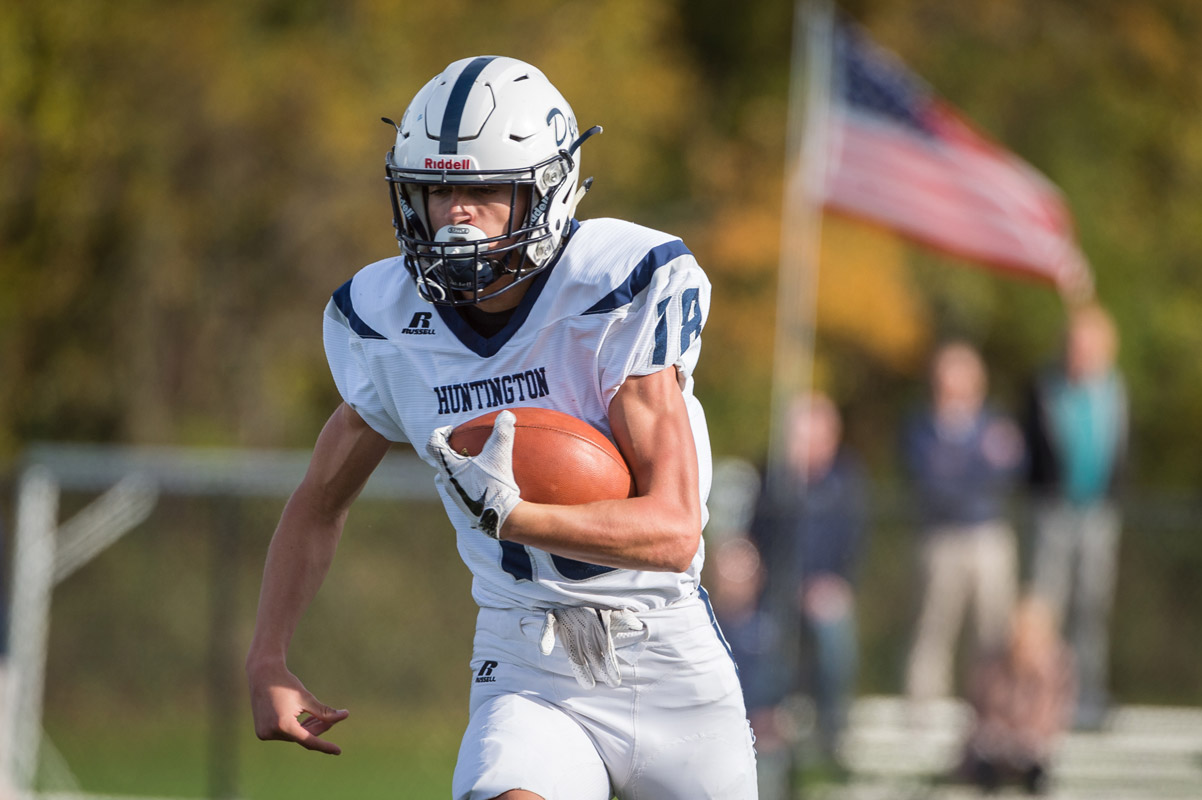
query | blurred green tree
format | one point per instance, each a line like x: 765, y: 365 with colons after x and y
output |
x: 185, y: 183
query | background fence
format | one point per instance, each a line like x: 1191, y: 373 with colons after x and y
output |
x: 143, y: 687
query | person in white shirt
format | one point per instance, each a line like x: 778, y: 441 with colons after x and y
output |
x: 597, y: 667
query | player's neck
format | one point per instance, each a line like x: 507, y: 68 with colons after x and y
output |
x: 506, y: 300
x: 486, y: 323
x: 490, y: 315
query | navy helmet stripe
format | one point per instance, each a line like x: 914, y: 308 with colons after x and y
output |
x: 640, y: 277
x: 342, y: 299
x: 452, y: 115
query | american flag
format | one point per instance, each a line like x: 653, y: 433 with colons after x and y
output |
x: 899, y: 156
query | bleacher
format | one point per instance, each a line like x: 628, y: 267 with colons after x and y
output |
x: 1143, y: 752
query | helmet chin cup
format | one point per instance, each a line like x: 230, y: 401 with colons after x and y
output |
x: 463, y: 262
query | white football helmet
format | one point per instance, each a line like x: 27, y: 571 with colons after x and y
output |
x: 491, y: 120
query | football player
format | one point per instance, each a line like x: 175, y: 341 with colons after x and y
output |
x: 597, y: 669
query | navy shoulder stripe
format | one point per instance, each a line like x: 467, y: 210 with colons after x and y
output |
x: 640, y: 277
x: 342, y: 299
x: 452, y: 115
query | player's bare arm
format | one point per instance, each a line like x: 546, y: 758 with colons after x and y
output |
x: 657, y: 530
x: 298, y: 558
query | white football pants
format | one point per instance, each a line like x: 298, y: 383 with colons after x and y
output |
x: 675, y: 729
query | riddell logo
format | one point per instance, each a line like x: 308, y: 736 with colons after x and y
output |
x: 448, y: 163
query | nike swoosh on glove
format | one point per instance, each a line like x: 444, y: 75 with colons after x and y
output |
x: 483, y: 485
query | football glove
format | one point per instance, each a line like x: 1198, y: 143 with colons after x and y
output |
x: 588, y: 637
x: 483, y: 485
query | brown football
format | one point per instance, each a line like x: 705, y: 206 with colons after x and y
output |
x: 557, y: 458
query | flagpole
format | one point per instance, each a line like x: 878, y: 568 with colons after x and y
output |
x: 801, y: 223
x: 796, y: 305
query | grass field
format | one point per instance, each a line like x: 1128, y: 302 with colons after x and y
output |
x: 384, y: 756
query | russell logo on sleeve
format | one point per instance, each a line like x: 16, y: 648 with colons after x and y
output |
x: 420, y: 325
x: 485, y: 674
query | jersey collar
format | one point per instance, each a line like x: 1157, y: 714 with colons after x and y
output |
x: 486, y: 347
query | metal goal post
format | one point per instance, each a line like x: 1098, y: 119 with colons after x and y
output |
x: 129, y: 481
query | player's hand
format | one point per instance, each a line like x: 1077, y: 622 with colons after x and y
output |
x: 284, y: 710
x: 483, y: 485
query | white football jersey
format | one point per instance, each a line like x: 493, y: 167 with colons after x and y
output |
x: 622, y: 301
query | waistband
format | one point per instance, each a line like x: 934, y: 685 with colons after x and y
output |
x: 683, y: 616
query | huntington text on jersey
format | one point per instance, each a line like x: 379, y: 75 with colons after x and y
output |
x: 505, y: 390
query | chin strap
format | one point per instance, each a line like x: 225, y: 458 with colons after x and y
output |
x: 587, y: 183
x: 576, y: 198
x: 591, y: 132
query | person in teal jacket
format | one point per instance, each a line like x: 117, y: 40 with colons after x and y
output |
x: 1076, y: 426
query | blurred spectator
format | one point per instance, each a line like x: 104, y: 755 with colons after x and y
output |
x: 737, y: 580
x: 1077, y: 432
x: 4, y: 599
x: 814, y: 529
x: 6, y: 790
x: 1022, y: 698
x: 962, y: 458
